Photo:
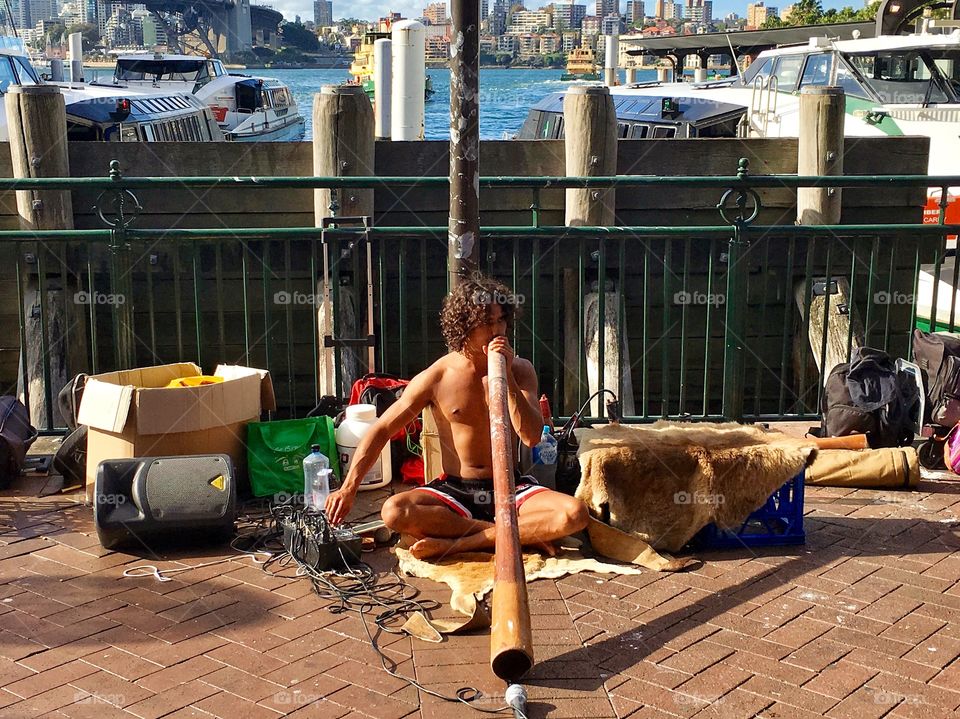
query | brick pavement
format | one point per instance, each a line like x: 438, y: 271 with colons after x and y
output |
x: 864, y: 621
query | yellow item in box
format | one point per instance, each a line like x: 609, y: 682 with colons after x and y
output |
x: 196, y: 381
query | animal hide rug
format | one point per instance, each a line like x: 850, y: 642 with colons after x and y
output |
x: 470, y: 574
x: 666, y: 481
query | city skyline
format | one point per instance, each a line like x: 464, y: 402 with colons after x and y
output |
x: 373, y: 9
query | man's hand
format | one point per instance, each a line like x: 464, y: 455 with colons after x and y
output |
x: 502, y: 345
x: 338, y: 505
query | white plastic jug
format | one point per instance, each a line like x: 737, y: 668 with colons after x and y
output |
x: 358, y: 420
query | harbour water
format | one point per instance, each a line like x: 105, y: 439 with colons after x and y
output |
x: 505, y: 95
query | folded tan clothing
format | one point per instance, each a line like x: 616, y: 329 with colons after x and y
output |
x: 890, y: 468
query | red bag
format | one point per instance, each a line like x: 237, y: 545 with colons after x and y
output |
x: 382, y: 390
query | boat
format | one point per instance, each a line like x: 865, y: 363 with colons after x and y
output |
x: 581, y: 65
x: 894, y: 85
x: 103, y: 114
x: 246, y: 108
x: 361, y: 69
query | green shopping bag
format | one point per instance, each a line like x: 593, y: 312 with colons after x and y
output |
x: 275, y: 452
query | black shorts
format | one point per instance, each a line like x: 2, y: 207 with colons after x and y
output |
x: 473, y: 498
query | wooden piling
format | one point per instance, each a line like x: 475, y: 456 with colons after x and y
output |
x: 37, y: 126
x: 590, y: 144
x: 343, y: 146
x: 820, y: 152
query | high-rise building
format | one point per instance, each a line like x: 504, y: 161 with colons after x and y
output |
x: 323, y: 13
x: 529, y: 21
x: 635, y: 12
x: 436, y: 13
x: 568, y: 16
x: 758, y: 13
x: 612, y: 24
x: 497, y: 23
x: 484, y: 9
x: 607, y: 7
x: 699, y: 11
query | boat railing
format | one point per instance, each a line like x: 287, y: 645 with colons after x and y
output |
x: 703, y: 321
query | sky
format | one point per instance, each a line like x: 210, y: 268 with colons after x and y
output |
x: 372, y: 9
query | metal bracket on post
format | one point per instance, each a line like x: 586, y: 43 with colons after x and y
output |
x: 332, y: 339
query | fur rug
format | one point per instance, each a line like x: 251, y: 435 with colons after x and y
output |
x: 470, y: 575
x: 666, y: 481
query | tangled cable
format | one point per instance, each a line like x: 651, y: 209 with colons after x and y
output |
x: 383, y: 599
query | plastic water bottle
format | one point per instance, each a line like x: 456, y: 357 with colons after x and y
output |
x: 316, y: 479
x: 546, y: 450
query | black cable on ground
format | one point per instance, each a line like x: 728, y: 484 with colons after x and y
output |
x: 381, y: 599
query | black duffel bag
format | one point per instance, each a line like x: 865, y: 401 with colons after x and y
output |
x: 869, y: 395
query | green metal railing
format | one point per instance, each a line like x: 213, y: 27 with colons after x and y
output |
x: 706, y: 315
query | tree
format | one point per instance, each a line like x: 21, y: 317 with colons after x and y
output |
x: 806, y: 12
x: 295, y: 35
x: 772, y: 22
x: 91, y: 35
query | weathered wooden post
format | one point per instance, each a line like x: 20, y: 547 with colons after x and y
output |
x: 820, y: 152
x: 463, y: 233
x: 37, y: 125
x: 343, y: 146
x: 590, y: 147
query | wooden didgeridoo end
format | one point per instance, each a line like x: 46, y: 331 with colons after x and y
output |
x: 511, y: 639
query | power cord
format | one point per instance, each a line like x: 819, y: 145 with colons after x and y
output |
x: 355, y: 587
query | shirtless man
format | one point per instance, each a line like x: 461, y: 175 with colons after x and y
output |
x: 455, y: 513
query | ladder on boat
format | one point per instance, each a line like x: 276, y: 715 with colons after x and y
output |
x: 763, y: 107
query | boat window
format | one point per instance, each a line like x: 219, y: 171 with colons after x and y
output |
x: 216, y: 68
x: 787, y: 71
x: 86, y: 133
x: 7, y: 75
x: 148, y: 133
x: 759, y: 68
x: 623, y: 129
x: 850, y: 84
x: 662, y: 131
x: 902, y: 76
x: 817, y: 69
x: 28, y: 76
x: 150, y: 69
x: 639, y: 131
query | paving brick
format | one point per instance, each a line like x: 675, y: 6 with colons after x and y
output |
x: 738, y: 704
x: 106, y: 688
x: 51, y: 678
x: 796, y: 633
x: 937, y: 651
x: 194, y: 668
x: 818, y: 654
x: 698, y: 657
x: 913, y: 628
x: 238, y: 682
x: 714, y: 682
x: 123, y: 664
x: 42, y: 703
x: 371, y: 703
x: 665, y: 700
x: 230, y: 706
x: 840, y: 679
x: 168, y: 701
x: 785, y: 694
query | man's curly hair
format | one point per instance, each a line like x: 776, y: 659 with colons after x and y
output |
x: 468, y: 307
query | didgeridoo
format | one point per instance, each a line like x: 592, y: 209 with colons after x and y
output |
x: 511, y: 641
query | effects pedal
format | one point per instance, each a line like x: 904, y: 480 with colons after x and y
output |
x: 313, y: 542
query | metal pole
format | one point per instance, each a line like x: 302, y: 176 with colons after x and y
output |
x: 464, y: 224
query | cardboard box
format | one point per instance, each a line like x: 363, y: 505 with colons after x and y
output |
x: 133, y: 413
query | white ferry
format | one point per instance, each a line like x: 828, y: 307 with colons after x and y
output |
x: 247, y: 109
x: 894, y: 85
x: 101, y: 114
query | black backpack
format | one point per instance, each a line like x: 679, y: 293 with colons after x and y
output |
x: 938, y: 357
x: 70, y: 460
x: 16, y: 436
x: 869, y: 395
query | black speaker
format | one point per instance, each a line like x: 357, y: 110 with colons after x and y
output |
x: 139, y: 502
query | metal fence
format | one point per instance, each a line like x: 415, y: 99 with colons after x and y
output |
x: 727, y: 320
